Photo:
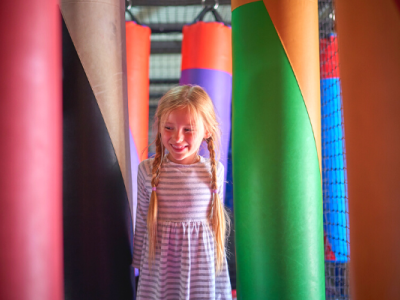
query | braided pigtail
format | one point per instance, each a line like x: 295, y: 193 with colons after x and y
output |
x: 219, y: 218
x: 153, y: 206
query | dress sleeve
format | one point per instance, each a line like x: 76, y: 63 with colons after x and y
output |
x: 221, y: 181
x: 141, y: 216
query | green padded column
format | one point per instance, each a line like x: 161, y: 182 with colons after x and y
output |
x: 277, y: 183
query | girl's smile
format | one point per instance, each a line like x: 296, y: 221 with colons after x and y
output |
x: 178, y: 148
x: 181, y: 135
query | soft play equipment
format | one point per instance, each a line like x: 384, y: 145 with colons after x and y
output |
x: 30, y: 152
x: 97, y: 172
x: 369, y: 47
x: 137, y: 61
x: 276, y: 150
x: 207, y: 62
x: 333, y: 162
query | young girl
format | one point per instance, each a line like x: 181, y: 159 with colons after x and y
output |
x: 181, y: 222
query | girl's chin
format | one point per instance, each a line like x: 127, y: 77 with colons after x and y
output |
x: 182, y: 159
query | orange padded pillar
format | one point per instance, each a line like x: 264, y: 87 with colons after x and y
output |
x: 137, y: 61
x: 369, y: 50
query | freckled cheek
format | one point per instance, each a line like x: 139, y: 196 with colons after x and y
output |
x: 195, y: 142
x: 191, y: 139
x: 165, y: 138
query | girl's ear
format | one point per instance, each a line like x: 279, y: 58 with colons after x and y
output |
x: 207, y: 135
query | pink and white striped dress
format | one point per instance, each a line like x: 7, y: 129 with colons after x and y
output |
x: 184, y: 266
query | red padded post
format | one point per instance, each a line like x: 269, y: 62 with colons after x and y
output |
x: 30, y: 151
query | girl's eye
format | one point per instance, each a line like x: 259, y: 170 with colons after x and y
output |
x: 167, y: 127
x: 188, y: 129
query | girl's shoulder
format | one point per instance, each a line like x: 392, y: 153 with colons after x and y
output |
x: 220, y: 166
x: 145, y: 166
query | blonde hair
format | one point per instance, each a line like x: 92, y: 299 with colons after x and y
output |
x: 197, y: 101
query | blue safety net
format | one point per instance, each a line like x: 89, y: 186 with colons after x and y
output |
x: 334, y: 180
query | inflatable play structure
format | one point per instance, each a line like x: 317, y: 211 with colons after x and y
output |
x: 69, y: 152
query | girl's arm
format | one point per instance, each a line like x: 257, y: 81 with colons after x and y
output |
x: 141, y: 217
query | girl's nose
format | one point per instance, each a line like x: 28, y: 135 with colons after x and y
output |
x: 178, y: 136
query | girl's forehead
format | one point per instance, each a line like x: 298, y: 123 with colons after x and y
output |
x: 184, y: 116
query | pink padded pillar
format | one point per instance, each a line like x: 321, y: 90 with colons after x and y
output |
x: 30, y: 151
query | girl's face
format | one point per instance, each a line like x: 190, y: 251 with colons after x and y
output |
x: 182, y: 136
